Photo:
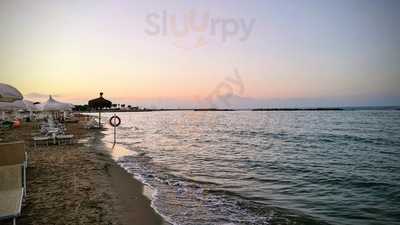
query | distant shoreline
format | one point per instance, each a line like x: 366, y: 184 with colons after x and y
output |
x: 286, y: 109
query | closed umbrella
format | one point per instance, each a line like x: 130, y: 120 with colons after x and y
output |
x: 99, y: 104
x: 9, y: 93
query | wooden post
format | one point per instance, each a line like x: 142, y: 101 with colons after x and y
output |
x: 99, y: 119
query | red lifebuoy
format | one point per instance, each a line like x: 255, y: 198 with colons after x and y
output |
x: 114, y: 119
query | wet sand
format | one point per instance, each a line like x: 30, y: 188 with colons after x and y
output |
x: 79, y: 184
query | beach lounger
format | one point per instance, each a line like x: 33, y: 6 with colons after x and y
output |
x: 13, y: 153
x: 13, y: 164
x: 71, y: 120
x: 40, y: 140
x: 65, y: 139
x: 11, y: 191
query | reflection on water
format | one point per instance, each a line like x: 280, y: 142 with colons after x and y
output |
x: 118, y: 152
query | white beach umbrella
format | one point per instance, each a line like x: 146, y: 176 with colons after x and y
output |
x: 9, y: 93
x: 30, y: 106
x: 12, y: 106
x: 18, y: 105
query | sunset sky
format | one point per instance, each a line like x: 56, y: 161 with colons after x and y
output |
x: 278, y: 53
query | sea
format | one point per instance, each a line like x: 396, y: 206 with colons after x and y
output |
x: 277, y: 167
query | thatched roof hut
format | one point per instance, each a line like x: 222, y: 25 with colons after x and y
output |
x: 100, y: 103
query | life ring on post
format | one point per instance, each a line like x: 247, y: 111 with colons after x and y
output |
x: 115, y: 121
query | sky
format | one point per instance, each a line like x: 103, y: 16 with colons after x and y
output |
x: 225, y: 54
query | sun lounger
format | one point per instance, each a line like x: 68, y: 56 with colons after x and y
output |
x: 40, y: 140
x: 13, y: 153
x: 11, y: 192
x: 71, y: 120
x: 13, y: 164
x: 65, y: 139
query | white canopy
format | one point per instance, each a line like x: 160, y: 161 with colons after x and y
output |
x: 29, y: 106
x: 18, y: 105
x: 53, y: 105
x: 9, y: 93
x: 12, y: 106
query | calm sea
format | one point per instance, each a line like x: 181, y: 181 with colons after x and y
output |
x: 306, y: 167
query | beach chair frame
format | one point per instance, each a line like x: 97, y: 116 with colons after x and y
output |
x: 13, y: 155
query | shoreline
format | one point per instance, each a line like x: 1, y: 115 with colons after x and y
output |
x: 80, y: 184
x: 132, y: 189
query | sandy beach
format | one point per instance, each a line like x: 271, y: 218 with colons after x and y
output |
x: 79, y: 184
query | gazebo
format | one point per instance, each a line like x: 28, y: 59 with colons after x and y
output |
x: 99, y: 104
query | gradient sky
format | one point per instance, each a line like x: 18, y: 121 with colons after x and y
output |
x: 310, y: 53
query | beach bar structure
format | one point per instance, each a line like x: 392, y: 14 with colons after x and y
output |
x: 99, y: 104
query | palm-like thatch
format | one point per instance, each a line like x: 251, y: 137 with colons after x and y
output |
x: 100, y: 103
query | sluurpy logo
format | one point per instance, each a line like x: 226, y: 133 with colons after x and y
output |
x: 225, y: 91
x: 194, y: 30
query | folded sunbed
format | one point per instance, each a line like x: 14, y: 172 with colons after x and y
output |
x: 13, y: 164
x: 65, y: 138
x: 40, y: 139
x: 12, y: 153
x: 11, y: 191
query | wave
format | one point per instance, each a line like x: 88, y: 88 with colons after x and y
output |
x: 267, y: 170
